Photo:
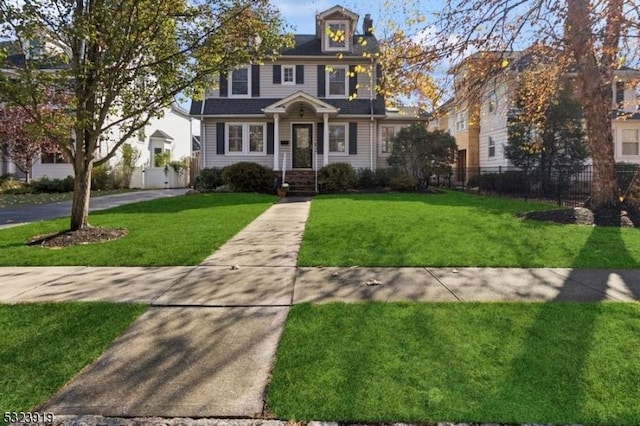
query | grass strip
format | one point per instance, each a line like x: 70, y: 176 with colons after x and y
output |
x: 491, y: 362
x: 163, y: 232
x: 45, y: 345
x: 454, y: 229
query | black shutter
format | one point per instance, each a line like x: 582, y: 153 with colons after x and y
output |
x: 353, y: 80
x: 224, y: 85
x: 299, y: 74
x: 320, y: 138
x: 353, y: 138
x: 619, y: 94
x: 277, y: 74
x: 220, y: 138
x: 255, y: 81
x: 270, y: 134
x: 321, y: 83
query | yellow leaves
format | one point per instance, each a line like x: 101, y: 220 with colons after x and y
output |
x: 340, y: 55
x: 505, y: 63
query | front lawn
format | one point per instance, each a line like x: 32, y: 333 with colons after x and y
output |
x: 170, y: 231
x: 493, y: 362
x: 45, y: 345
x: 454, y: 229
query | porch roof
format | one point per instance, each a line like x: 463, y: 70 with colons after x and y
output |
x: 240, y: 107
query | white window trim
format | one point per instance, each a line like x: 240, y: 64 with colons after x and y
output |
x: 492, y: 99
x: 623, y: 142
x: 230, y: 84
x: 396, y: 128
x: 245, y: 139
x: 460, y: 121
x: 293, y: 73
x: 344, y: 153
x: 327, y: 39
x: 490, y: 145
x: 328, y: 81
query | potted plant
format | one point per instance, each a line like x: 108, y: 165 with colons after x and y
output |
x: 282, y: 190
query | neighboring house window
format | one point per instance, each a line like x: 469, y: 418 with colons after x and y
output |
x: 492, y: 101
x: 492, y: 147
x: 336, y: 35
x: 337, y: 81
x: 288, y: 75
x: 338, y: 138
x: 388, y: 132
x: 461, y: 121
x: 240, y: 82
x: 246, y: 138
x: 52, y: 158
x: 630, y: 142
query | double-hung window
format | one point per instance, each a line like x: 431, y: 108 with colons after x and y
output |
x: 288, y: 74
x: 461, y: 121
x: 492, y: 102
x: 492, y: 147
x: 338, y: 141
x: 630, y: 142
x: 337, y: 81
x: 246, y: 139
x: 53, y: 158
x: 240, y: 82
x: 386, y: 141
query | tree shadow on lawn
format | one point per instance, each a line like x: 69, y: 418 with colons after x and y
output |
x: 550, y: 380
x: 190, y: 202
x: 484, y: 203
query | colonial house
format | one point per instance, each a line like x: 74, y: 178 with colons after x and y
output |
x: 313, y: 106
x: 479, y: 123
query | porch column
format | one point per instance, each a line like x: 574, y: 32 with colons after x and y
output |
x: 325, y: 140
x: 276, y: 141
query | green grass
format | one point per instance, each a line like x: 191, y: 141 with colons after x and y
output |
x: 492, y: 362
x: 454, y: 229
x: 14, y: 200
x: 45, y: 345
x: 170, y: 231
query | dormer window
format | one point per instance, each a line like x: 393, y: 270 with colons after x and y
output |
x: 336, y: 36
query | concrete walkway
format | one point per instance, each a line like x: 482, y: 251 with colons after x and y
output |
x: 205, y: 347
x: 31, y: 213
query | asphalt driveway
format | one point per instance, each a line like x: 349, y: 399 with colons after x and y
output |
x: 33, y: 213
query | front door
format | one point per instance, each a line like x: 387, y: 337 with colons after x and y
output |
x: 302, y: 146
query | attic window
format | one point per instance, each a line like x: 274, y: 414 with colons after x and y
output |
x: 336, y: 37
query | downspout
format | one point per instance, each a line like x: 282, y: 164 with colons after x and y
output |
x: 372, y: 145
x: 203, y: 134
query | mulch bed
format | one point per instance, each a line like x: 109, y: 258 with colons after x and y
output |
x: 88, y: 235
x: 617, y: 217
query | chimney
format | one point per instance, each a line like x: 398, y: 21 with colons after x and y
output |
x: 367, y: 25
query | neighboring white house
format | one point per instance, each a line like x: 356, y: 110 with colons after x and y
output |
x: 480, y: 125
x: 172, y: 133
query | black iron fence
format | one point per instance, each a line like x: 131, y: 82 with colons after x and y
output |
x: 562, y: 185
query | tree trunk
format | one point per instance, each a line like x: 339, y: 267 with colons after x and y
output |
x: 81, y: 195
x: 596, y: 95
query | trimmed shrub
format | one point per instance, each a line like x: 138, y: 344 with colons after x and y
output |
x: 365, y: 179
x: 248, y: 177
x: 46, y: 185
x: 209, y: 179
x: 337, y: 177
x: 102, y: 178
x: 383, y: 176
x: 403, y: 183
x: 10, y: 185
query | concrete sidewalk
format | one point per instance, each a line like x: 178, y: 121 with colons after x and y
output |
x: 206, y: 346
